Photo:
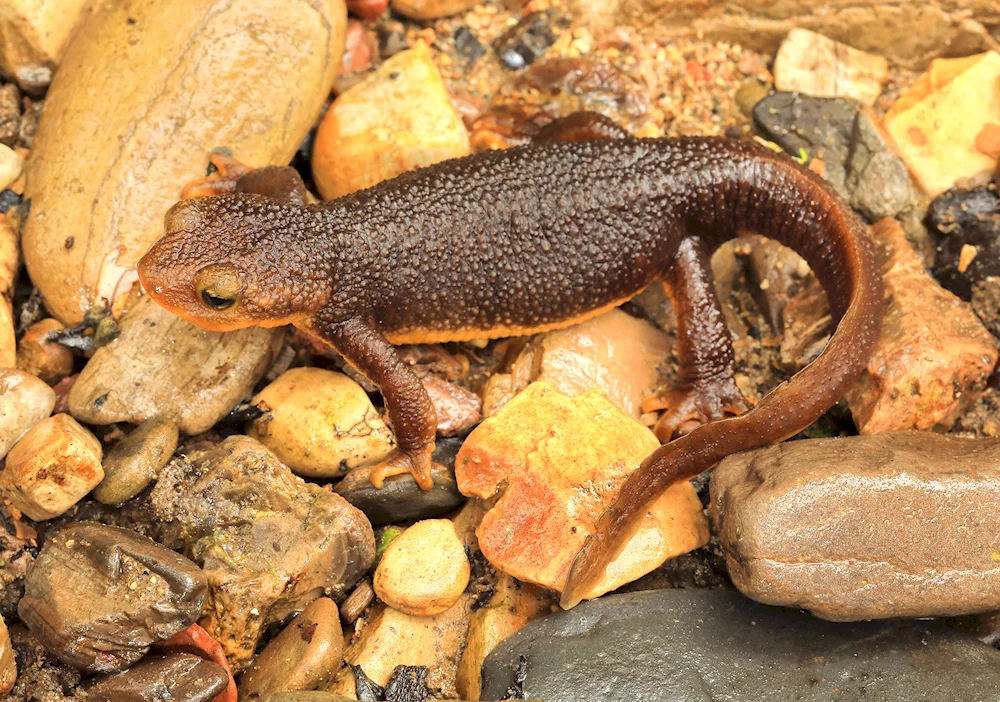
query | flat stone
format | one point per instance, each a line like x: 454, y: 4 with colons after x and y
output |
x: 24, y: 402
x: 134, y: 462
x: 816, y: 65
x: 716, y: 645
x: 888, y: 525
x: 877, y: 179
x: 181, y: 677
x: 431, y: 9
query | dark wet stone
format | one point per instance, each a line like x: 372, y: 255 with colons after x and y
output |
x: 407, y: 684
x: 366, y: 689
x: 181, y: 678
x: 966, y: 217
x: 467, y: 44
x: 9, y: 199
x: 694, y: 645
x: 134, y: 462
x: 526, y: 41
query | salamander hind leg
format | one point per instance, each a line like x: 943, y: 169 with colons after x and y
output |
x: 706, y: 390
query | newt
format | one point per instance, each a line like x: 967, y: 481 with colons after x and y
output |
x: 524, y: 240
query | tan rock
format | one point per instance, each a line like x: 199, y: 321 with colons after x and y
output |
x: 390, y: 638
x: 562, y: 460
x: 424, y: 570
x: 52, y: 468
x: 398, y: 119
x: 321, y: 423
x: 11, y: 164
x: 37, y: 355
x: 10, y: 260
x: 431, y: 9
x: 8, y: 666
x: 24, y: 402
x: 151, y: 88
x: 615, y: 352
x: 888, y: 525
x: 813, y: 64
x: 161, y: 365
x: 937, y: 121
x: 134, y: 462
x: 457, y: 408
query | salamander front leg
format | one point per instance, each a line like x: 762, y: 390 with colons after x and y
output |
x: 411, y: 413
x: 706, y: 390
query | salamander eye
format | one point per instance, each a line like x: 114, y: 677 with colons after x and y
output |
x: 217, y: 302
x: 218, y: 285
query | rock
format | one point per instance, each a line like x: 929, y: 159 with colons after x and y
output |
x: 304, y: 656
x: 813, y: 64
x: 152, y: 88
x: 38, y: 355
x: 8, y: 666
x: 10, y: 114
x: 556, y: 463
x: 320, y: 424
x: 776, y: 275
x: 425, y: 569
x: 398, y: 119
x: 937, y: 121
x: 457, y: 409
x: 10, y: 166
x: 305, y: 697
x: 136, y: 460
x: 10, y: 262
x: 722, y: 646
x: 162, y: 366
x: 968, y: 221
x: 357, y: 602
x: 431, y: 9
x: 54, y: 465
x: 99, y: 596
x: 390, y: 638
x: 865, y: 527
x: 196, y: 641
x: 526, y: 41
x: 400, y: 499
x: 180, y: 677
x: 24, y: 402
x: 359, y: 49
x: 367, y: 9
x: 512, y: 605
x: 41, y: 676
x: 269, y: 542
x: 877, y: 179
x: 614, y: 352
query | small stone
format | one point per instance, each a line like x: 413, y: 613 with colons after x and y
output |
x: 367, y: 9
x: 457, y: 409
x: 54, y: 465
x: 526, y: 41
x: 424, y: 571
x: 10, y: 114
x: 467, y: 44
x: 42, y: 357
x: 749, y: 93
x: 90, y: 599
x: 136, y: 460
x: 357, y: 602
x: 182, y: 677
x: 816, y: 65
x: 966, y: 218
x: 556, y: 463
x: 877, y: 179
x: 398, y: 119
x: 358, y: 49
x: 320, y: 423
x: 10, y: 166
x: 24, y: 402
x: 304, y: 656
x: 431, y: 9
x: 8, y: 666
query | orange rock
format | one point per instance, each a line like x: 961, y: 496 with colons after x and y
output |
x: 37, y: 355
x: 562, y: 460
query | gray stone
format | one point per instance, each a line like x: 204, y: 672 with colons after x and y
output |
x: 877, y: 178
x: 700, y: 645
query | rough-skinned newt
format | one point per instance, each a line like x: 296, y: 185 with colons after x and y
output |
x: 524, y: 240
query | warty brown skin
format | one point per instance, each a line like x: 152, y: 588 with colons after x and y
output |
x: 528, y: 239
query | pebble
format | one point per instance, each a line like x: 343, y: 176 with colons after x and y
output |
x: 10, y: 114
x: 876, y: 177
x: 10, y: 265
x: 357, y: 602
x: 526, y: 41
x: 424, y: 570
x: 367, y: 9
x: 320, y: 423
x: 866, y: 527
x: 10, y: 166
x: 54, y: 465
x: 457, y: 408
x: 136, y: 460
x: 721, y: 646
x: 398, y: 119
x: 35, y: 38
x: 8, y: 666
x: 304, y: 656
x: 268, y: 542
x: 816, y: 65
x: 431, y: 9
x: 26, y: 401
x: 556, y: 462
x: 181, y: 677
x: 38, y: 355
x: 161, y: 365
x: 97, y: 596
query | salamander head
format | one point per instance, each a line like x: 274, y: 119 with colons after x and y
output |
x: 233, y: 261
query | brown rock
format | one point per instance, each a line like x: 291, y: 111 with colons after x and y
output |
x: 813, y: 64
x: 457, y: 408
x: 8, y: 666
x: 37, y: 355
x: 136, y: 460
x: 557, y: 462
x: 11, y: 164
x: 304, y: 656
x: 431, y: 9
x: 10, y: 114
x: 182, y: 677
x: 151, y: 88
x: 161, y: 365
x: 24, y: 402
x: 10, y: 261
x: 889, y: 525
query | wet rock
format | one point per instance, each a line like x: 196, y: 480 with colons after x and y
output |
x: 556, y: 463
x: 425, y: 569
x: 39, y: 355
x: 367, y: 9
x: 24, y: 402
x: 10, y: 166
x: 54, y: 465
x: 467, y: 44
x: 431, y: 9
x: 162, y: 366
x: 269, y: 542
x: 526, y: 41
x: 614, y: 352
x: 877, y: 179
x: 407, y: 684
x: 41, y: 676
x: 937, y: 121
x: 304, y: 656
x: 196, y: 641
x: 10, y: 262
x: 866, y: 527
x: 720, y: 645
x: 400, y: 499
x: 8, y: 667
x: 180, y: 677
x: 398, y: 119
x: 457, y: 408
x: 99, y: 596
x: 813, y: 64
x: 320, y: 423
x: 359, y: 50
x: 10, y: 113
x: 152, y: 89
x: 357, y: 602
x: 136, y: 460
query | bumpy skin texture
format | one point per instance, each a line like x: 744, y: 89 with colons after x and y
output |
x: 523, y: 240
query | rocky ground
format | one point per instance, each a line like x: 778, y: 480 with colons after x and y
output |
x: 188, y: 515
